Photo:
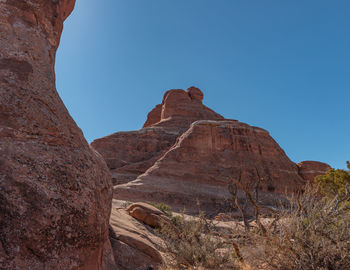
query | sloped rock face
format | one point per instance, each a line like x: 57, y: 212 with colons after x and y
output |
x: 55, y: 191
x: 197, y: 170
x: 310, y: 169
x: 186, y: 155
x: 129, y: 154
x: 135, y: 245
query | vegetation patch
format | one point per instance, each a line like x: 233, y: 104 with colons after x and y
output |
x: 166, y: 209
x: 311, y: 232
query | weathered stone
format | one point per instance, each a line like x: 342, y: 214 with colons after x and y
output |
x: 148, y: 214
x: 308, y: 170
x: 196, y: 171
x: 195, y: 94
x: 55, y: 191
x: 186, y: 155
x: 153, y: 116
x: 129, y: 154
x: 135, y: 246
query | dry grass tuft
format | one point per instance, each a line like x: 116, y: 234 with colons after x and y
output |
x: 308, y: 235
x: 195, y: 245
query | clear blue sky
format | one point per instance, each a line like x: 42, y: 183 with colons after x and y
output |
x: 280, y: 65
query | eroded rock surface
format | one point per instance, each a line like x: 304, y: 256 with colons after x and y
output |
x: 196, y: 171
x: 310, y: 169
x: 135, y: 245
x: 129, y: 154
x: 186, y: 155
x: 149, y: 215
x: 55, y: 191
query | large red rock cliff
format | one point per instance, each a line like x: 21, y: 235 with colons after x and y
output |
x: 55, y: 191
x: 186, y: 154
x: 129, y: 154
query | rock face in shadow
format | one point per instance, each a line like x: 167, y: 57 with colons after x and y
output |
x: 186, y: 155
x: 55, y: 191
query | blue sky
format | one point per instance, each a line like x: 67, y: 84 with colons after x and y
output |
x: 280, y: 65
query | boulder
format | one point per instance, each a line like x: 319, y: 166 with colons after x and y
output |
x: 55, y: 191
x: 135, y: 246
x: 308, y: 170
x: 195, y: 94
x: 148, y: 214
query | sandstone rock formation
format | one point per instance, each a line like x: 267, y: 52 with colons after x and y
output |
x: 148, y: 214
x: 55, y: 191
x: 129, y: 154
x: 199, y: 167
x: 135, y: 245
x: 186, y: 154
x: 310, y: 169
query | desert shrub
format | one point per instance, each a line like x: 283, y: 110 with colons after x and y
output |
x: 166, y: 209
x: 126, y: 204
x: 311, y: 234
x: 194, y: 244
x: 335, y: 185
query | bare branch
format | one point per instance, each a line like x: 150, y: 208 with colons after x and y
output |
x: 338, y: 201
x: 257, y: 210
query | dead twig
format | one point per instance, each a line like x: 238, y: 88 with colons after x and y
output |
x: 338, y: 200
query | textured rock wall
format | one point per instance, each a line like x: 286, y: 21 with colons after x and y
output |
x: 186, y: 155
x: 55, y: 191
x: 129, y: 154
x: 136, y: 246
x: 310, y: 169
x: 196, y: 171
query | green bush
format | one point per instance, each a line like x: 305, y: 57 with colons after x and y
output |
x: 166, y: 209
x: 335, y: 184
